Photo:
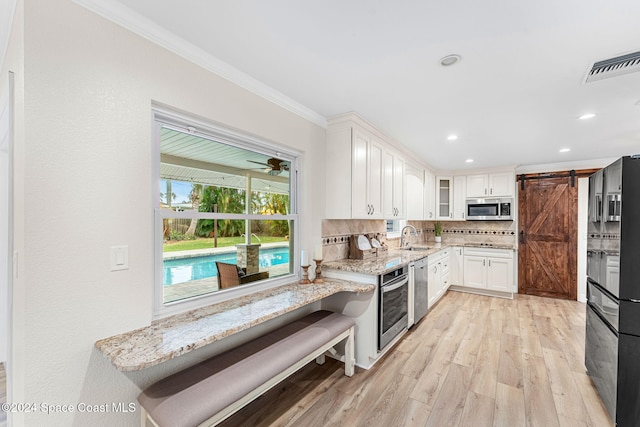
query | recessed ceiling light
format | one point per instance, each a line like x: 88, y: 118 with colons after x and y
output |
x: 469, y: 160
x: 450, y: 60
x: 565, y: 150
x: 452, y: 137
x: 586, y: 116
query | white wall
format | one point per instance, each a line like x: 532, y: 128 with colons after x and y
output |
x: 84, y: 183
x: 583, y: 217
x: 4, y: 226
x: 14, y: 61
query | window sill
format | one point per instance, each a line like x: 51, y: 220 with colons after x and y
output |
x: 393, y: 235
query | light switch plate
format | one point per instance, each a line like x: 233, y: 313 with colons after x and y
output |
x: 119, y: 258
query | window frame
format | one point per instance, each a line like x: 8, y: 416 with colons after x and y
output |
x: 162, y: 116
x: 397, y: 227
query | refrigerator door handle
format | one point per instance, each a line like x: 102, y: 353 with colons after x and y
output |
x: 634, y: 300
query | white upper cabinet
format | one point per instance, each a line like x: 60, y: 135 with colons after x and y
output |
x: 415, y: 192
x: 459, y: 197
x: 366, y: 177
x: 365, y: 173
x: 393, y: 185
x: 429, y: 196
x: 499, y: 184
x: 450, y: 197
x: 353, y: 173
x: 399, y: 199
x: 477, y: 185
x: 444, y: 197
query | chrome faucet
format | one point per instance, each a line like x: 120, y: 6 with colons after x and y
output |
x: 415, y: 234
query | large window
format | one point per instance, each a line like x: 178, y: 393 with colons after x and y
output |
x: 225, y: 213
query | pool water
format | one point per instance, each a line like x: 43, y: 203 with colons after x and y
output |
x: 202, y: 267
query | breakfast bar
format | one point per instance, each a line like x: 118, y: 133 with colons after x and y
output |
x: 180, y: 334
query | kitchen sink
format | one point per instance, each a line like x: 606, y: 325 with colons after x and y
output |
x: 415, y: 248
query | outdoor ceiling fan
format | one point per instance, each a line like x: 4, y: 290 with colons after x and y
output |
x: 274, y: 166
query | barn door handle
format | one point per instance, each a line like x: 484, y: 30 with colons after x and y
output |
x: 522, y: 237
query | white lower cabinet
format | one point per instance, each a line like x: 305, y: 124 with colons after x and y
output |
x: 490, y: 269
x: 457, y: 266
x: 439, y: 275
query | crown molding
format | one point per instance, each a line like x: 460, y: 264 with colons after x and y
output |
x: 144, y: 27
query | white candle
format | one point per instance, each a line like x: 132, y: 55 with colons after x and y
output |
x: 304, y: 258
x: 318, y: 252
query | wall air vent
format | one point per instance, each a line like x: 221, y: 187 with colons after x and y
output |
x: 613, y: 67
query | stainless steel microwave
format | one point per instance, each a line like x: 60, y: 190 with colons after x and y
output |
x: 497, y: 209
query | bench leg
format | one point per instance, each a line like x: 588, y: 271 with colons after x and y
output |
x: 349, y: 354
x: 320, y: 359
x: 144, y: 417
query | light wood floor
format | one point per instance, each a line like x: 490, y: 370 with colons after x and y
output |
x: 472, y: 361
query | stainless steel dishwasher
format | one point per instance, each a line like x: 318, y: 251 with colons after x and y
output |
x: 420, y: 290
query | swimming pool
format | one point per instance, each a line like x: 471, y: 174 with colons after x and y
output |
x: 186, y: 269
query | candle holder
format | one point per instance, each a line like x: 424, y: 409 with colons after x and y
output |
x: 305, y: 275
x: 318, y: 278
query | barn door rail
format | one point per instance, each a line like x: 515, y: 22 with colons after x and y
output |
x: 572, y: 174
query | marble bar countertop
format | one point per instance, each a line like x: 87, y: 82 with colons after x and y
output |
x: 395, y: 258
x: 176, y: 335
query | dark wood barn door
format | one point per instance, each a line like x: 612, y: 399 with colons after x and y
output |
x: 548, y: 233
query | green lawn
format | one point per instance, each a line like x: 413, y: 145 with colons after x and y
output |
x: 186, y: 245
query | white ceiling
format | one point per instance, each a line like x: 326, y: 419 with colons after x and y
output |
x: 514, y: 98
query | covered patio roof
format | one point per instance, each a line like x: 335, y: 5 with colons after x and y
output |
x: 191, y: 158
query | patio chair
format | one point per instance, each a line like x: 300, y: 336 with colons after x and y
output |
x: 230, y: 275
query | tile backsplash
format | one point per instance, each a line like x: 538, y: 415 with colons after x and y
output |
x: 336, y: 233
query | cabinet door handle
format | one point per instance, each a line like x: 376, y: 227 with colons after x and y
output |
x: 522, y: 237
x: 485, y: 191
x: 491, y: 191
x: 484, y: 262
x: 373, y: 209
x: 489, y: 263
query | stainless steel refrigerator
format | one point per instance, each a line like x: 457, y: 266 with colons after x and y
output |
x: 612, y: 342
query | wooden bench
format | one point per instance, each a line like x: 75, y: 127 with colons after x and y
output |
x: 211, y: 391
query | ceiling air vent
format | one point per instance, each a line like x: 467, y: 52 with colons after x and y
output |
x: 613, y: 67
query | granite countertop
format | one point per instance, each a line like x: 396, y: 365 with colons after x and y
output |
x: 381, y: 264
x: 395, y: 258
x: 176, y: 335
